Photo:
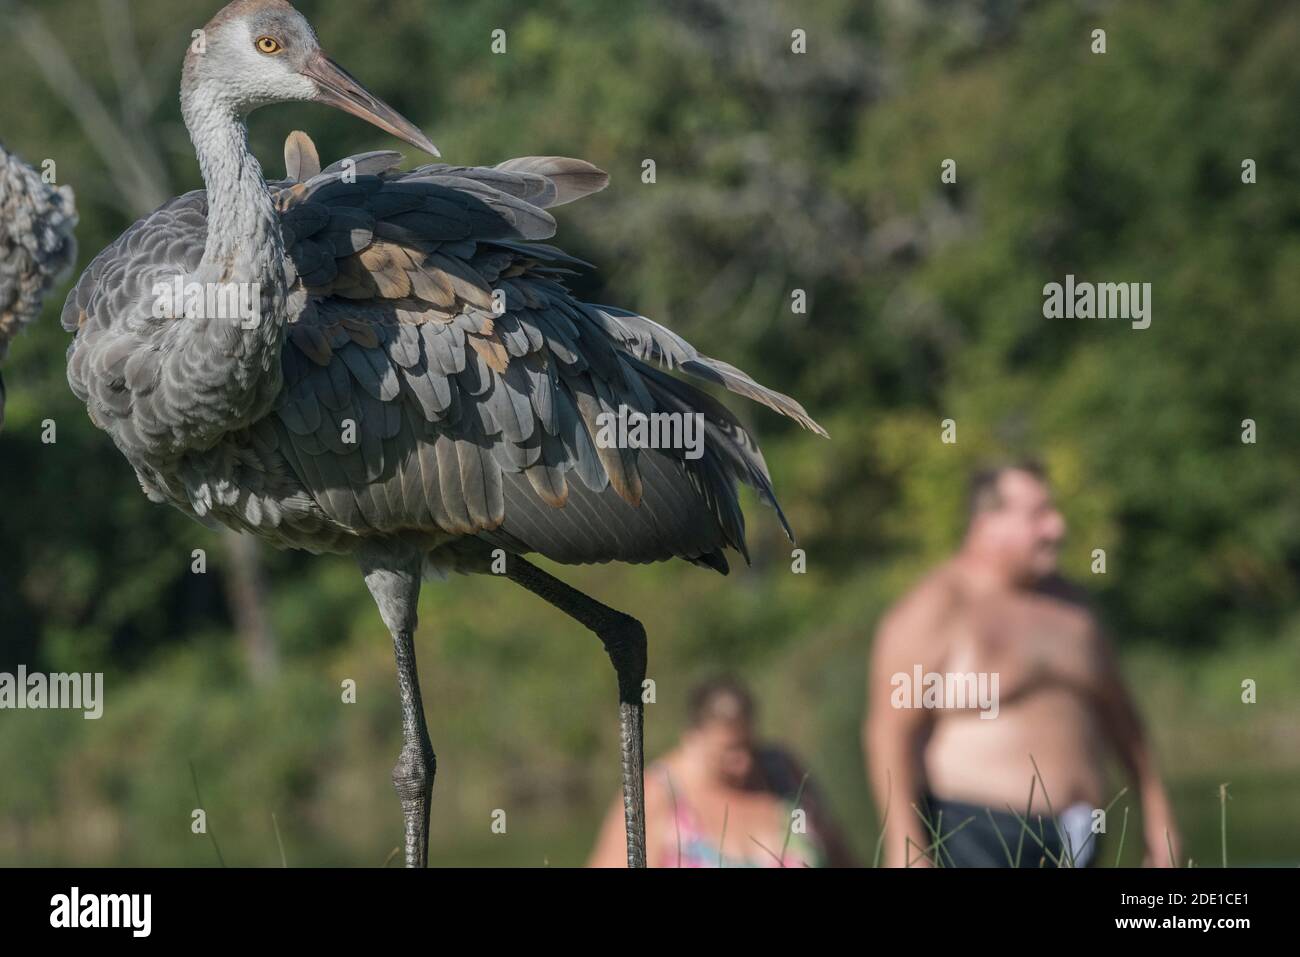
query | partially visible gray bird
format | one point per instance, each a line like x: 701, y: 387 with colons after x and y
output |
x: 37, y: 246
x: 419, y: 390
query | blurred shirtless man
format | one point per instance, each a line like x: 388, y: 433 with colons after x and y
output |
x: 990, y: 661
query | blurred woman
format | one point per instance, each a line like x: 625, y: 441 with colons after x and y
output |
x: 720, y: 800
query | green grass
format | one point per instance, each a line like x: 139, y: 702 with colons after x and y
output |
x: 287, y: 774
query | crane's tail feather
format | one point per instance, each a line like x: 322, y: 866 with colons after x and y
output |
x: 647, y: 340
x: 541, y: 181
x: 730, y: 454
x: 572, y: 178
x: 301, y: 159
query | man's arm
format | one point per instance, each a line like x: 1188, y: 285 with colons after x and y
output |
x: 1127, y: 736
x: 893, y: 738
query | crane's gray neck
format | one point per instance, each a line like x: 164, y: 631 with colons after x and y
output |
x: 230, y: 364
x: 244, y: 242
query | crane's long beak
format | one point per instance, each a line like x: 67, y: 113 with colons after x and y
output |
x: 341, y: 89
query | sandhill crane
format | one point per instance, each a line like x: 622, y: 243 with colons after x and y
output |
x: 37, y: 246
x: 417, y: 388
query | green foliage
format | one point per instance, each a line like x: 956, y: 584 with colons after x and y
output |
x: 774, y: 173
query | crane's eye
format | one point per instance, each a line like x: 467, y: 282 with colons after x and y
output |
x: 269, y: 45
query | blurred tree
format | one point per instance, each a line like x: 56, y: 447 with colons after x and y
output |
x: 776, y: 172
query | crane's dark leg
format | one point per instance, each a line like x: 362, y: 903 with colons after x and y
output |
x: 394, y: 581
x: 624, y: 640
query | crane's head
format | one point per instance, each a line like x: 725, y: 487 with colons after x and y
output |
x: 257, y: 52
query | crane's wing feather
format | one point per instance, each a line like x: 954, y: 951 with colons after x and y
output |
x: 440, y: 376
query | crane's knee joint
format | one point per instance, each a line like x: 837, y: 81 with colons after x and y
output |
x: 625, y: 643
x: 414, y: 773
